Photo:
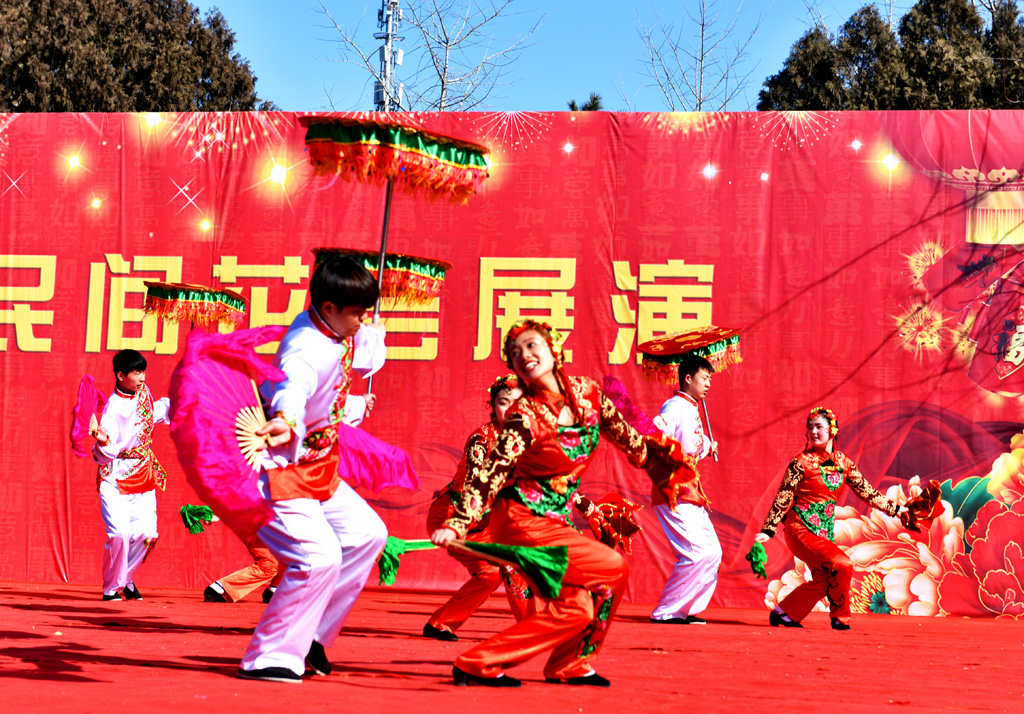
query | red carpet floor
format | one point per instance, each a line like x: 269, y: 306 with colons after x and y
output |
x: 64, y: 650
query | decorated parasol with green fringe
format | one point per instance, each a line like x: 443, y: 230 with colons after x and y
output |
x: 543, y: 566
x: 718, y: 345
x: 195, y: 304
x: 406, y: 277
x: 376, y: 150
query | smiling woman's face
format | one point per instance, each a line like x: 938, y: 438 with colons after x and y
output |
x: 531, y: 356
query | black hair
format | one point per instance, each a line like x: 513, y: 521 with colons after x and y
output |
x: 690, y: 365
x: 344, y: 282
x: 127, y: 361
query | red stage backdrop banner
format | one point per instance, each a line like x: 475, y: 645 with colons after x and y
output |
x: 872, y: 260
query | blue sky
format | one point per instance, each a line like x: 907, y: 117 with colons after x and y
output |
x: 581, y: 47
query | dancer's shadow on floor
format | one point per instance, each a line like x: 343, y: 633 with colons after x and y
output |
x: 67, y: 663
x: 50, y: 595
x: 107, y: 618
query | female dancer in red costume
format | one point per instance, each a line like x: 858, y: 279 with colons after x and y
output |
x: 806, y: 502
x: 484, y: 576
x: 549, y: 437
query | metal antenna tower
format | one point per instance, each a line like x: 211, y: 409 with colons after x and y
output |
x: 388, y: 93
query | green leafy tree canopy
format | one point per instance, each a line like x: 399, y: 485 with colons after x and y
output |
x: 120, y: 55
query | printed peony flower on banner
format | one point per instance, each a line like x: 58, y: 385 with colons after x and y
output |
x: 1006, y: 480
x: 895, y: 571
x: 989, y: 581
x: 792, y: 579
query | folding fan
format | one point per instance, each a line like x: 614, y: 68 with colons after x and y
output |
x: 212, y: 400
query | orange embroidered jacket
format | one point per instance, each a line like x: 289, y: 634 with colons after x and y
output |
x: 538, y: 462
x: 811, y: 487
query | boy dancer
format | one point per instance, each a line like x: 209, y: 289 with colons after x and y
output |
x: 325, y: 535
x: 128, y: 474
x: 688, y: 527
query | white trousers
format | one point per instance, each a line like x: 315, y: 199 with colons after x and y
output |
x: 130, y: 521
x: 328, y: 548
x: 698, y: 554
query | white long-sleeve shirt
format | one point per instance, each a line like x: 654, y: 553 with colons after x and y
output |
x: 128, y: 420
x: 680, y: 419
x: 312, y: 397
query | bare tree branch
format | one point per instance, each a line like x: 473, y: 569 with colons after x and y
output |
x: 459, y: 58
x: 703, y: 74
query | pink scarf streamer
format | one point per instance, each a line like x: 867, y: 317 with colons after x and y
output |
x: 208, y: 387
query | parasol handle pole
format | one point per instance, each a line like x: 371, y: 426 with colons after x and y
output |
x: 380, y: 261
x: 707, y: 419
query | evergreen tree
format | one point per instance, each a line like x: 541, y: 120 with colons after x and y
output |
x: 809, y: 79
x: 591, y: 105
x: 119, y: 55
x: 1004, y: 43
x: 944, y: 57
x: 871, y: 69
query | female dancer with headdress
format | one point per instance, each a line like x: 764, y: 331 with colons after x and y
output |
x: 806, y: 502
x: 485, y: 577
x: 549, y: 437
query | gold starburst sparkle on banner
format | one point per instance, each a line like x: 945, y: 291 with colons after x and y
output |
x: 794, y: 130
x: 921, y: 329
x: 922, y: 259
x: 683, y: 123
x: 512, y: 130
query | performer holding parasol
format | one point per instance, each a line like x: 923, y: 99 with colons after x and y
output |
x: 326, y: 536
x: 129, y: 474
x: 549, y: 438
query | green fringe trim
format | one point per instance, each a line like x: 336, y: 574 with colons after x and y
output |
x: 758, y: 559
x: 195, y: 516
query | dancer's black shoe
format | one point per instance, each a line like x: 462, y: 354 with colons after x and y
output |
x: 271, y: 674
x: 267, y: 594
x: 439, y: 634
x: 465, y: 679
x: 777, y: 620
x: 115, y: 596
x: 590, y: 680
x: 839, y: 625
x: 211, y: 595
x: 317, y: 659
x: 132, y: 593
x: 671, y: 621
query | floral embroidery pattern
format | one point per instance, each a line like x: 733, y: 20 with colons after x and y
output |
x: 549, y: 498
x: 593, y: 636
x: 819, y: 518
x: 832, y: 475
x: 579, y: 442
x: 319, y: 443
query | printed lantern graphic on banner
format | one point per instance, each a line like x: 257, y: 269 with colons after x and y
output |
x: 981, y: 153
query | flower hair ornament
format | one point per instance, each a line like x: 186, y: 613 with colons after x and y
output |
x: 509, y: 382
x: 830, y: 416
x: 554, y: 338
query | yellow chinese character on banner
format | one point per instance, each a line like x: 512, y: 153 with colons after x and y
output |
x: 19, y: 302
x: 525, y: 287
x: 670, y: 297
x: 291, y: 271
x: 117, y: 272
x: 418, y: 326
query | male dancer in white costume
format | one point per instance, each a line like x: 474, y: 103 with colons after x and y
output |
x: 325, y: 534
x: 129, y: 474
x: 688, y: 527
